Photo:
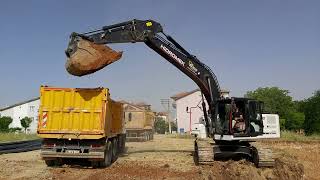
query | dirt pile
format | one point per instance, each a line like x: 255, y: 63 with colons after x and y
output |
x: 125, y: 170
x: 285, y: 168
x: 288, y: 168
x: 90, y: 57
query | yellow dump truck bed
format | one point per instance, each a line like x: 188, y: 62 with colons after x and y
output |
x: 78, y: 113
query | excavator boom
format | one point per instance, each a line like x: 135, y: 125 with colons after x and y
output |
x: 88, y: 53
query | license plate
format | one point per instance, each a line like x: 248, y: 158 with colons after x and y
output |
x: 73, y: 151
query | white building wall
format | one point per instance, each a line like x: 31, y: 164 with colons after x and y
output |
x: 7, y: 112
x: 29, y: 109
x: 183, y: 117
x: 33, y: 113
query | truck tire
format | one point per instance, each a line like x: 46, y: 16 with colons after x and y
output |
x: 50, y: 163
x: 55, y: 162
x: 123, y: 145
x: 119, y: 144
x: 107, y: 156
x: 114, y: 149
x: 95, y: 164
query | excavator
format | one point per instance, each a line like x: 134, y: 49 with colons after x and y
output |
x: 87, y: 53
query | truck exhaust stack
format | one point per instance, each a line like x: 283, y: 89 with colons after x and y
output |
x: 85, y: 57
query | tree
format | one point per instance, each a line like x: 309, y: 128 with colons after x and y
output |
x: 160, y: 125
x: 282, y: 124
x: 15, y: 129
x: 275, y: 100
x: 173, y: 126
x: 5, y: 121
x: 312, y: 114
x: 25, y: 123
x: 295, y: 121
x: 278, y: 101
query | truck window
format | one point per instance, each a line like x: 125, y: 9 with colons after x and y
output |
x: 130, y: 116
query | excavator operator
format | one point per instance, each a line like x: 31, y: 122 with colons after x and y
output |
x: 239, y: 124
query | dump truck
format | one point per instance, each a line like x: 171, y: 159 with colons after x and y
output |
x: 139, y: 122
x: 80, y: 123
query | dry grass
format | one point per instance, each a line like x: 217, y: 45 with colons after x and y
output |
x: 292, y: 136
x: 181, y: 136
x: 8, y: 137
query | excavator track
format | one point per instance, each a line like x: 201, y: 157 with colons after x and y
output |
x: 203, y: 152
x: 263, y: 157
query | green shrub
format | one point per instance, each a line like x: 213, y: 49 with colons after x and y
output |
x: 5, y: 121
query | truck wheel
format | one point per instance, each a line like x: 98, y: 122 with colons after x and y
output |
x: 119, y: 144
x: 123, y: 145
x: 107, y: 156
x: 56, y: 162
x: 50, y: 163
x: 114, y: 150
x: 59, y: 162
x: 95, y: 164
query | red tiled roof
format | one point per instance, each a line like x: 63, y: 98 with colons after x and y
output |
x: 183, y: 94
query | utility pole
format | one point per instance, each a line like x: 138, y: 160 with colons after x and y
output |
x: 166, y: 104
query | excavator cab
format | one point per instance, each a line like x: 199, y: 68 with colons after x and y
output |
x: 238, y: 122
x: 239, y: 117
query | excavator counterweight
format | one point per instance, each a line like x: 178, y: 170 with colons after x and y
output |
x: 85, y: 57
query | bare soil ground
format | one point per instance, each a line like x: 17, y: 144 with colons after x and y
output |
x: 171, y: 158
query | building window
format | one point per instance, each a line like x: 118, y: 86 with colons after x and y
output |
x: 31, y: 108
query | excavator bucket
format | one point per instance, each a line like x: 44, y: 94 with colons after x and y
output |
x: 85, y: 57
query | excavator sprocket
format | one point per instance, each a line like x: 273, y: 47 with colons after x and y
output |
x: 85, y: 57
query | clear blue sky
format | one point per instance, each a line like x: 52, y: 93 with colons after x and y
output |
x: 247, y: 43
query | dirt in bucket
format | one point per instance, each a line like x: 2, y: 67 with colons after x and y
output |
x: 90, y: 57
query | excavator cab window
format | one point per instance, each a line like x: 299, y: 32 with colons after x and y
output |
x: 239, y: 117
x: 231, y: 117
x: 255, y: 118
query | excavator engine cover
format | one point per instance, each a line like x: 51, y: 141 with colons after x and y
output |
x: 85, y: 57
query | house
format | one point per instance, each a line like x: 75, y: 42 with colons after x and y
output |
x: 23, y: 109
x: 163, y: 115
x: 189, y: 109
